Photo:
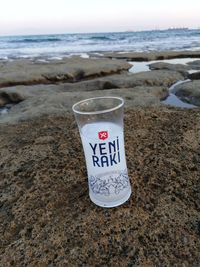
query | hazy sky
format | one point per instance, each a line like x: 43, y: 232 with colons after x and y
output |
x: 63, y: 16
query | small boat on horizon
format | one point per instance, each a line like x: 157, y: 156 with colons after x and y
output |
x: 178, y: 29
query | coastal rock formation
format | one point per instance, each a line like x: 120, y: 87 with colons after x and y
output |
x: 194, y: 64
x: 168, y: 66
x: 142, y: 89
x: 61, y: 103
x: 194, y: 75
x: 189, y: 92
x: 149, y: 56
x: 10, y: 98
x: 47, y: 218
x: 26, y: 72
x: 151, y: 78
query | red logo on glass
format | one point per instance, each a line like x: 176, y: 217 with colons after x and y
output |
x: 103, y: 135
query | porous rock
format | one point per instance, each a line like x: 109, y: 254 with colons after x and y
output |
x: 47, y: 218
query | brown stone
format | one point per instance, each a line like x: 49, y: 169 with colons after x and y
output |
x: 47, y: 218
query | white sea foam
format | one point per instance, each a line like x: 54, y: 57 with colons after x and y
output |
x: 61, y: 45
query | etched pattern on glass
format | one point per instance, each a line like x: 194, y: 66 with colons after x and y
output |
x: 112, y: 183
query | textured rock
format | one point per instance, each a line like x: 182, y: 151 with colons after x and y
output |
x: 168, y: 66
x: 194, y: 75
x: 41, y: 99
x: 189, y: 92
x: 26, y: 72
x: 148, y: 56
x: 195, y: 65
x: 47, y: 218
x: 10, y: 98
x: 151, y: 78
x: 60, y: 103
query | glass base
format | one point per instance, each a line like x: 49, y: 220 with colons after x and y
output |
x: 113, y: 203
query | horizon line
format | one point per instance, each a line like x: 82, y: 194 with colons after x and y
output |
x: 100, y: 32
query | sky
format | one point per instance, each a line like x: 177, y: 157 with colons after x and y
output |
x: 72, y: 16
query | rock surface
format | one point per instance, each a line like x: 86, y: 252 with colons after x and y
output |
x: 151, y: 78
x: 47, y: 218
x: 189, y: 92
x: 194, y: 75
x: 61, y: 103
x: 26, y: 72
x: 10, y: 98
x: 148, y: 56
x: 141, y: 89
x: 194, y: 64
x: 168, y: 66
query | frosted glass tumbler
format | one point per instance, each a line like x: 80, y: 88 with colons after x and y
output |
x: 100, y: 122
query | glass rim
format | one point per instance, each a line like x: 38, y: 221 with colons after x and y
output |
x: 100, y: 111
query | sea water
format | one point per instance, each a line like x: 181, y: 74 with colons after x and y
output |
x: 103, y: 144
x: 62, y: 45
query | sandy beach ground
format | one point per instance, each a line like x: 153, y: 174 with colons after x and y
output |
x: 46, y: 216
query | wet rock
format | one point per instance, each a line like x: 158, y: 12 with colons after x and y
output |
x: 194, y: 75
x: 189, y: 92
x: 195, y: 65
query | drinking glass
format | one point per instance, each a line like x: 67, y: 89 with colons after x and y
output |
x: 100, y: 122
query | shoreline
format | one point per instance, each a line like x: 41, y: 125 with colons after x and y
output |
x: 23, y: 80
x: 65, y: 44
x: 137, y: 56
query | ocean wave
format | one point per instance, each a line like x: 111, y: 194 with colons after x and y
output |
x: 66, y: 44
x: 102, y: 38
x: 34, y: 40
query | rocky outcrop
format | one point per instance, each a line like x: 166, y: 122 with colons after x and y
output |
x: 61, y: 103
x: 149, y: 56
x: 26, y: 72
x: 152, y: 78
x: 189, y: 92
x: 195, y: 65
x: 194, y: 75
x: 168, y: 66
x: 141, y: 89
x: 47, y: 218
x: 10, y: 98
